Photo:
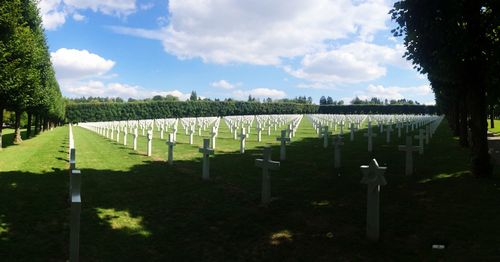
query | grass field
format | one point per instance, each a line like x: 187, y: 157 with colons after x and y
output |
x: 497, y: 127
x: 140, y: 208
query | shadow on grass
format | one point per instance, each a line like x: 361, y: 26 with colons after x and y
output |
x: 8, y: 137
x: 167, y: 213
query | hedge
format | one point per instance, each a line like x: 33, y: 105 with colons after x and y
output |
x: 91, y: 112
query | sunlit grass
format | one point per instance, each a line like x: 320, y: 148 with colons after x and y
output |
x: 122, y: 220
x: 280, y: 237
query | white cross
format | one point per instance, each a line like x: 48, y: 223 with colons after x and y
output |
x: 408, y: 148
x: 388, y: 131
x: 266, y: 164
x: 373, y: 176
x: 171, y: 144
x: 420, y: 137
x: 213, y: 135
x: 135, y: 138
x: 243, y: 136
x: 283, y: 139
x: 337, y: 142
x: 150, y: 142
x: 325, y: 134
x: 370, y: 135
x: 206, y: 151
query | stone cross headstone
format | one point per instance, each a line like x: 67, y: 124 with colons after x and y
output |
x: 388, y: 131
x: 243, y: 137
x: 191, y: 133
x: 266, y: 164
x: 420, y: 137
x: 76, y: 207
x: 341, y: 125
x: 283, y: 139
x: 150, y: 142
x: 370, y: 136
x: 325, y: 134
x: 352, y: 129
x: 118, y: 135
x: 373, y: 177
x: 337, y: 142
x: 135, y: 138
x: 408, y: 148
x: 125, y: 134
x: 399, y: 126
x: 259, y: 133
x: 213, y: 136
x: 171, y: 144
x: 206, y: 151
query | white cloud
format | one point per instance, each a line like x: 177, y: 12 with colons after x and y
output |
x: 54, y: 12
x: 222, y: 84
x: 262, y: 32
x: 351, y: 63
x: 77, y: 64
x: 146, y: 6
x: 78, y: 17
x: 101, y: 89
x: 259, y: 92
x: 394, y: 92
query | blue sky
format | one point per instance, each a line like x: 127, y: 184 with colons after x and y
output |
x: 224, y: 48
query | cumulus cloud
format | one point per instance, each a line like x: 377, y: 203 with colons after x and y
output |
x: 101, y: 89
x: 262, y: 32
x: 54, y: 12
x: 395, y: 92
x: 222, y: 84
x: 259, y: 92
x: 351, y: 63
x: 78, y: 64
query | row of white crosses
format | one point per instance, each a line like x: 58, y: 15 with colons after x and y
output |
x: 75, y: 200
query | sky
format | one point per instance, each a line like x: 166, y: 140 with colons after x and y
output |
x: 229, y: 49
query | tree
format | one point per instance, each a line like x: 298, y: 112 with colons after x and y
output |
x: 329, y: 100
x: 193, y: 96
x: 322, y: 100
x: 455, y: 42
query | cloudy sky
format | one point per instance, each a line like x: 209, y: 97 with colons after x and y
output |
x: 229, y: 48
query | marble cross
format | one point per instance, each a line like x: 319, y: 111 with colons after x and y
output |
x: 206, y: 151
x: 388, y: 131
x: 341, y: 125
x: 337, y: 142
x: 150, y: 142
x: 135, y: 138
x: 243, y: 137
x: 408, y: 148
x: 373, y: 177
x: 213, y: 136
x: 170, y: 143
x: 191, y: 133
x: 420, y: 137
x: 325, y: 134
x: 125, y: 133
x: 353, y: 128
x: 283, y: 139
x: 76, y: 207
x: 266, y: 164
x: 259, y: 133
x: 370, y: 136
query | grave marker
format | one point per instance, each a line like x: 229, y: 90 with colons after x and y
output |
x: 373, y: 177
x: 266, y: 164
x: 206, y: 151
x: 408, y: 148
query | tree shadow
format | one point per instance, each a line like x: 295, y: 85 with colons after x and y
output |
x: 168, y: 213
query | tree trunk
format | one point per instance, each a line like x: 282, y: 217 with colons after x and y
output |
x: 463, y: 126
x: 28, y: 128
x: 45, y: 124
x: 481, y: 164
x: 492, y: 116
x: 37, y: 124
x: 1, y: 126
x: 17, y: 127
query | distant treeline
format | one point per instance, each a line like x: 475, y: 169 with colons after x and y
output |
x: 90, y: 112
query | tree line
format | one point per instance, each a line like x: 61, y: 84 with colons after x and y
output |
x: 112, y: 111
x: 27, y: 79
x: 457, y: 44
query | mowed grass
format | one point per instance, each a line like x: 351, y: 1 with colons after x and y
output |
x: 139, y: 208
x: 496, y: 129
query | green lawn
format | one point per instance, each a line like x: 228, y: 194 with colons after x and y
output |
x: 140, y: 208
x: 497, y: 126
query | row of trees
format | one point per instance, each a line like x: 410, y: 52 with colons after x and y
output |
x: 378, y: 101
x: 89, y: 112
x: 27, y: 79
x: 457, y: 44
